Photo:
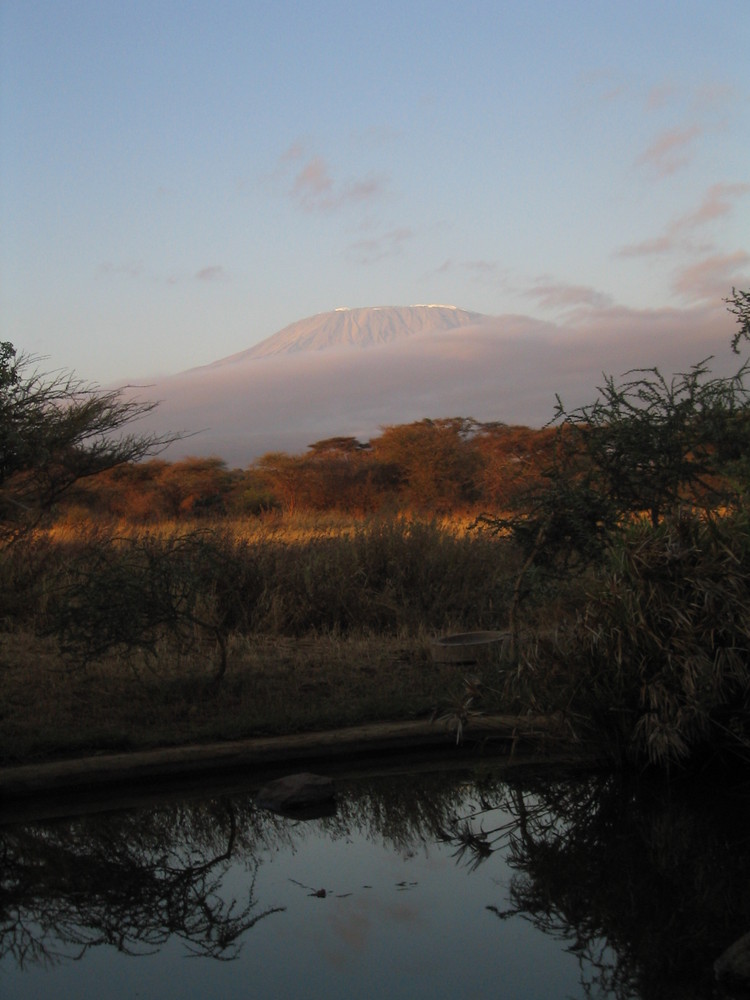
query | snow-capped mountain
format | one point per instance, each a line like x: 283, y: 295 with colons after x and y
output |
x: 362, y: 328
x: 315, y: 379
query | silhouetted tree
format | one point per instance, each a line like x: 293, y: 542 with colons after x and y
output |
x: 56, y: 430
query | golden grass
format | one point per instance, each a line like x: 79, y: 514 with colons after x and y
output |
x: 331, y: 624
x: 290, y: 528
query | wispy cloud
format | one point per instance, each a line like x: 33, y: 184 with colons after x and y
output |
x: 314, y: 188
x: 482, y: 271
x: 293, y: 152
x: 705, y: 106
x: 661, y: 95
x: 709, y: 279
x: 717, y: 203
x: 714, y: 97
x: 213, y: 272
x: 711, y: 97
x: 363, y: 190
x: 670, y: 150
x: 558, y: 296
x: 446, y: 267
x: 646, y: 248
x: 379, y: 247
x: 129, y: 269
x: 602, y: 84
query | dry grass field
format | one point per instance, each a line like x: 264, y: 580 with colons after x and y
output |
x: 336, y: 627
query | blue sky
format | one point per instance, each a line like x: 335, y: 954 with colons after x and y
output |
x: 179, y: 180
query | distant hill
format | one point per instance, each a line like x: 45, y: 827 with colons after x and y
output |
x: 361, y: 328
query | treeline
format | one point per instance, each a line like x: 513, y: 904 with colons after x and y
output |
x: 429, y: 466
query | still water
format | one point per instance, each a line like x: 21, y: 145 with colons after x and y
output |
x: 465, y: 883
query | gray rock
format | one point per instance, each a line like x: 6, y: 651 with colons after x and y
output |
x: 296, y: 791
x: 734, y: 964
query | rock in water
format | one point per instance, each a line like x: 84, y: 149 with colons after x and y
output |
x: 734, y: 964
x: 295, y: 791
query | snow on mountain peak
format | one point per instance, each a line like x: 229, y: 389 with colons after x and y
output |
x: 358, y: 328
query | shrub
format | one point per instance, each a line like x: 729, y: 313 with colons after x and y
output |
x: 656, y: 665
x: 125, y: 594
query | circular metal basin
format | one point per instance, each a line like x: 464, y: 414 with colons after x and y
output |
x: 466, y: 647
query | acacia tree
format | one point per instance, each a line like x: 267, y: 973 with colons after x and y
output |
x: 651, y: 445
x: 645, y: 446
x: 56, y: 430
x: 433, y: 460
x: 738, y: 304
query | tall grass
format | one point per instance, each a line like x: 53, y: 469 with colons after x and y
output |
x: 654, y: 666
x: 290, y: 578
x: 387, y: 576
x: 320, y: 625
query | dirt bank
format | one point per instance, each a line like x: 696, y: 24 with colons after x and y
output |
x: 261, y: 753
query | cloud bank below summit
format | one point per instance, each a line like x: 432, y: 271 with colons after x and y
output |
x: 506, y: 368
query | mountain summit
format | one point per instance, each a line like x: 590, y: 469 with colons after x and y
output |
x: 360, y: 328
x: 305, y: 384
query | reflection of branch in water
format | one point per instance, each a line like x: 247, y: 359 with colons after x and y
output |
x: 473, y: 844
x: 131, y: 882
x: 645, y: 887
x: 555, y: 849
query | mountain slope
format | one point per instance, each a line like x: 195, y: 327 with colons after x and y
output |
x: 498, y: 368
x: 361, y: 328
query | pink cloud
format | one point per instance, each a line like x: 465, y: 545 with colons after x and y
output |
x: 294, y: 152
x: 714, y: 96
x: 561, y: 296
x: 660, y: 244
x: 313, y: 184
x: 604, y: 85
x: 660, y: 95
x: 379, y: 247
x: 213, y: 272
x: 362, y: 190
x: 717, y: 202
x: 315, y: 190
x: 711, y: 278
x: 669, y: 151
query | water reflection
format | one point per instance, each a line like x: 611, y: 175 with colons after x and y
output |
x: 639, y: 889
x: 130, y: 880
x: 646, y: 885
